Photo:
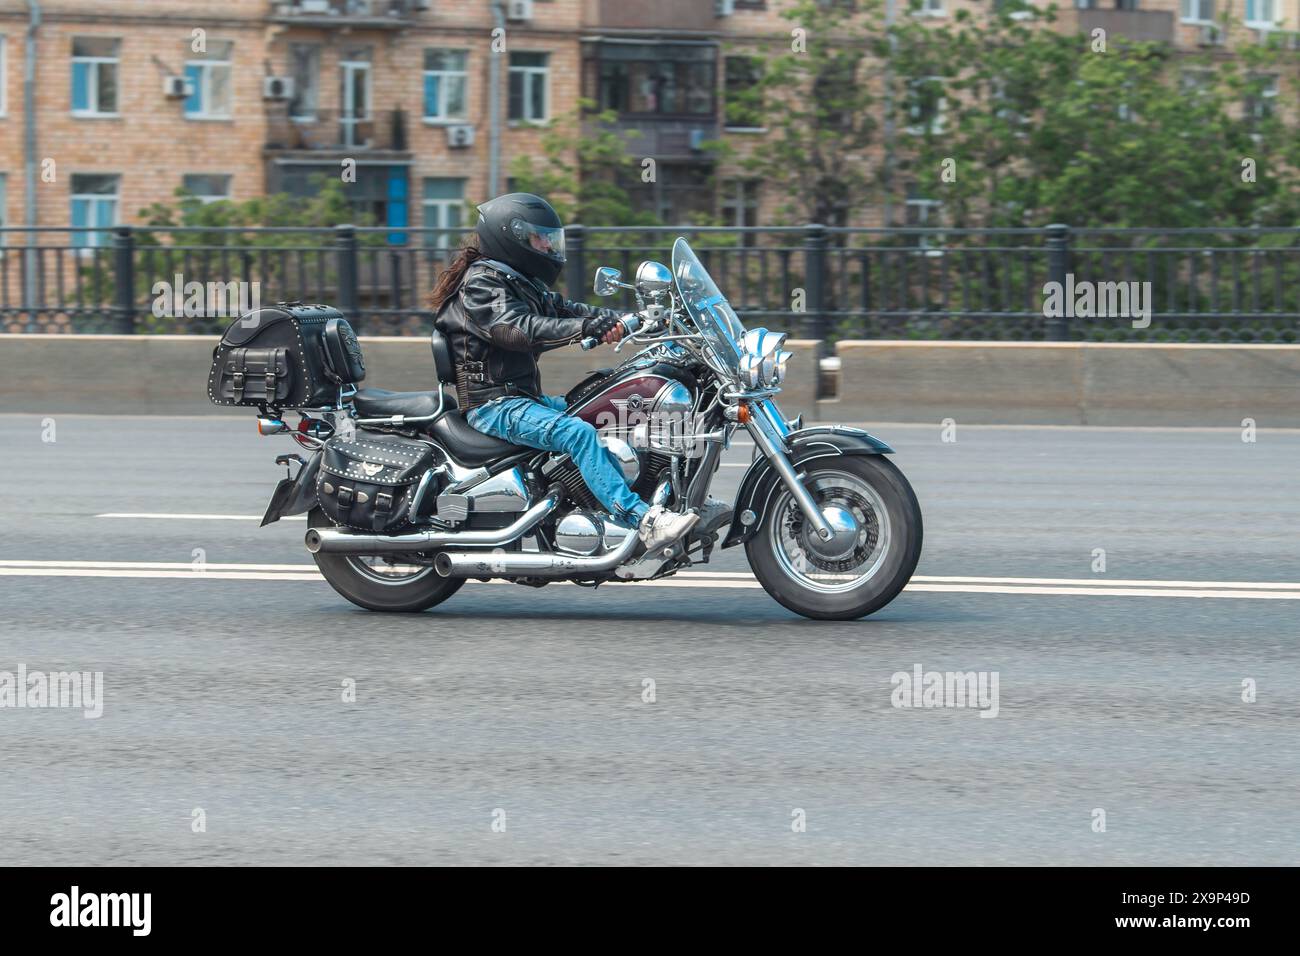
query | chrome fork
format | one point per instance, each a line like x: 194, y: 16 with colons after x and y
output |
x: 769, y: 431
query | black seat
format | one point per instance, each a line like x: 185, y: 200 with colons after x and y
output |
x: 469, y: 446
x: 381, y: 403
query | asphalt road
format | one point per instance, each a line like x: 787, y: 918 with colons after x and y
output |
x: 223, y: 687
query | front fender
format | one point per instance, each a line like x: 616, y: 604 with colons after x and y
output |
x: 805, y: 445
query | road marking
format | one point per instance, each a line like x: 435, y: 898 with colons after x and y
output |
x: 177, y: 516
x: 176, y: 570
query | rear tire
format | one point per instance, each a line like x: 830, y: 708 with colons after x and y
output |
x: 364, y: 586
x: 875, y: 558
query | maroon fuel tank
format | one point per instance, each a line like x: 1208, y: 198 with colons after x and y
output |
x: 620, y: 399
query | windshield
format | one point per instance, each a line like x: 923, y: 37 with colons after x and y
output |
x: 709, y: 309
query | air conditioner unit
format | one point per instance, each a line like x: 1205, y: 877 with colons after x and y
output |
x: 177, y: 87
x: 724, y: 8
x: 277, y: 88
x: 1209, y: 35
x: 520, y: 11
x: 460, y: 137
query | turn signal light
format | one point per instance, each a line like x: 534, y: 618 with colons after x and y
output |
x: 271, y: 426
x: 742, y: 413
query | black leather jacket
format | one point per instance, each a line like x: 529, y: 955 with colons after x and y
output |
x: 497, y: 324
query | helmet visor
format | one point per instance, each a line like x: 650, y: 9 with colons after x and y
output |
x: 547, y: 240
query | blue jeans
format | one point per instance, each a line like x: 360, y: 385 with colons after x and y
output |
x: 542, y: 424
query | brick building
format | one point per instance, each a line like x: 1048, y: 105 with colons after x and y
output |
x: 236, y: 98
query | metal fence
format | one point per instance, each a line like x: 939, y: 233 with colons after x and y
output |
x: 1201, y: 285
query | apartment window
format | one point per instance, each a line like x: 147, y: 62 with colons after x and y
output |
x: 925, y: 105
x: 654, y: 79
x: 529, y: 87
x: 1261, y: 13
x: 1194, y: 82
x: 740, y: 202
x: 94, y: 76
x: 446, y: 84
x: 931, y: 8
x: 1197, y: 11
x: 94, y: 209
x: 1262, y: 102
x: 444, y: 206
x: 1085, y: 4
x: 206, y: 187
x: 304, y: 67
x: 210, y: 74
x: 744, y: 93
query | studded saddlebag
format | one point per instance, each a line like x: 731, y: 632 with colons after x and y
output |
x: 368, y: 482
x: 288, y: 356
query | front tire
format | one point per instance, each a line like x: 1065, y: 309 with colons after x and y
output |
x: 380, y: 586
x: 867, y: 562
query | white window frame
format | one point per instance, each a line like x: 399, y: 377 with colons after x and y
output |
x: 932, y: 8
x: 1270, y: 23
x: 96, y: 62
x: 206, y: 68
x: 938, y: 123
x: 206, y: 198
x: 1192, y: 11
x: 439, y: 208
x: 1270, y: 92
x: 443, y: 85
x: 91, y: 232
x: 533, y: 74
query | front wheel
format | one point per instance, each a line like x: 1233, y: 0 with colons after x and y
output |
x: 869, y: 558
x: 380, y: 584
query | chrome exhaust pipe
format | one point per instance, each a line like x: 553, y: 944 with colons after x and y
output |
x: 531, y: 564
x: 342, y: 541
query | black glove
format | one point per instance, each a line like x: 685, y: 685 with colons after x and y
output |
x: 599, y: 326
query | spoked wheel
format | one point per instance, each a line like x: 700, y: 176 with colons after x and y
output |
x: 382, y: 584
x: 870, y: 556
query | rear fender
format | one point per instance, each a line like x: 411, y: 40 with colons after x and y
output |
x: 296, y: 495
x: 806, y: 445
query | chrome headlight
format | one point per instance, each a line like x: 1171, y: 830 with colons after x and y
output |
x: 763, y: 363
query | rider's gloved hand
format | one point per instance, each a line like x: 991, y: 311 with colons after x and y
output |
x: 606, y: 327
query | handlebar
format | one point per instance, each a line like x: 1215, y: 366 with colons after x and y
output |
x: 630, y: 322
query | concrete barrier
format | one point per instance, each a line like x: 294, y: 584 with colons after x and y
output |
x: 1082, y: 383
x: 973, y: 382
x: 168, y: 374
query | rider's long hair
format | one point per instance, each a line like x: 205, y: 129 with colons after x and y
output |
x: 449, y: 282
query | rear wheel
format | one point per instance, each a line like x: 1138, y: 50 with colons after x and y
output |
x: 382, y: 584
x: 869, y: 558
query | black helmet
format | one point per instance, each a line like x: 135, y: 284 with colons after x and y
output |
x: 524, y: 232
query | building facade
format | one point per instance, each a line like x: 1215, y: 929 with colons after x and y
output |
x: 136, y: 99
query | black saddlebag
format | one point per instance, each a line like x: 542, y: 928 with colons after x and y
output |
x: 287, y: 356
x: 368, y: 482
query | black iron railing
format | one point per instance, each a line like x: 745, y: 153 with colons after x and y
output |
x: 1049, y: 284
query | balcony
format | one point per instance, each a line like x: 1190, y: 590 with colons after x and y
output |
x: 353, y: 14
x: 330, y: 132
x: 675, y: 139
x: 660, y: 17
x: 1148, y: 26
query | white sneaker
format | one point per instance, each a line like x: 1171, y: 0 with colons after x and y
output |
x: 659, y: 527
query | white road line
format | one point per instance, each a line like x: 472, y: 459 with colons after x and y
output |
x: 165, y: 570
x: 191, y: 517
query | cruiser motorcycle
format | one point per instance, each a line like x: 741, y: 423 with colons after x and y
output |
x: 406, y: 502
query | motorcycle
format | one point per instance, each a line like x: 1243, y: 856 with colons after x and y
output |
x: 406, y: 502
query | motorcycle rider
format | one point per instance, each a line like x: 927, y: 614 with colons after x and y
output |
x: 495, y: 308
